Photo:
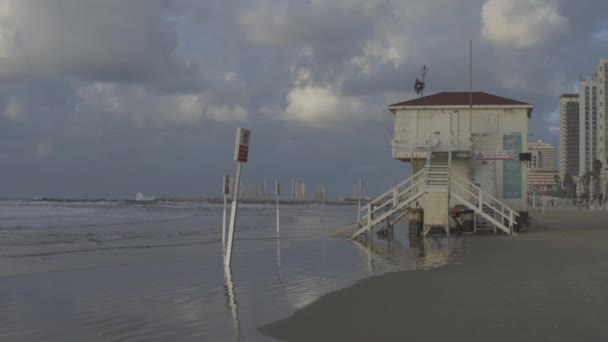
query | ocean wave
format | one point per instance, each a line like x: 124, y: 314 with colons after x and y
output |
x: 35, y: 215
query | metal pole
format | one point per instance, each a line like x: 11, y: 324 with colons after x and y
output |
x: 470, y: 86
x: 228, y: 258
x: 359, y: 205
x: 322, y: 203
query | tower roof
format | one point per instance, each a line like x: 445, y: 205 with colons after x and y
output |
x: 461, y: 99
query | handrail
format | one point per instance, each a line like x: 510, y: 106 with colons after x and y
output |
x: 397, y: 195
x: 408, y: 180
x: 480, y: 199
x: 394, y: 199
x: 485, y: 194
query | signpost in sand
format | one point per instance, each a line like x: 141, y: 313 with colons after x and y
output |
x: 241, y: 153
x: 226, y: 190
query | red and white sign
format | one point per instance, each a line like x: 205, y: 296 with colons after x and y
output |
x: 241, y: 148
x: 495, y: 155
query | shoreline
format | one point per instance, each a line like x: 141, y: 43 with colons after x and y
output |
x: 544, y: 285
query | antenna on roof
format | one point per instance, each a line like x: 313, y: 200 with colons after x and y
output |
x: 420, y: 84
x: 471, y: 85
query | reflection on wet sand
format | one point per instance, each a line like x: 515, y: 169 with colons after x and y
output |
x: 278, y: 268
x: 231, y: 302
x: 416, y: 252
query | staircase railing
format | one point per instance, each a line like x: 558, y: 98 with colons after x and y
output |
x: 392, y: 196
x: 404, y: 194
x: 467, y: 191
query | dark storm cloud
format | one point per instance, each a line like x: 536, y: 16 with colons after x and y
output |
x: 107, y: 98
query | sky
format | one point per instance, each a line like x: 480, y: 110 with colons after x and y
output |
x: 109, y: 98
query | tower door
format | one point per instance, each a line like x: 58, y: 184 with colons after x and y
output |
x: 485, y: 176
x: 440, y: 129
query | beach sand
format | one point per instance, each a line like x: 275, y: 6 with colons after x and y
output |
x: 549, y: 284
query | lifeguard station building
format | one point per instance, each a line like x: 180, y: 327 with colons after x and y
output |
x: 466, y: 150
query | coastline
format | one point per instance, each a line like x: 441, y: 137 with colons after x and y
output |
x: 544, y: 285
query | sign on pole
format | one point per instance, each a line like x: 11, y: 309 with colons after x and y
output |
x: 278, y: 194
x: 241, y: 152
x: 241, y: 147
x: 226, y: 185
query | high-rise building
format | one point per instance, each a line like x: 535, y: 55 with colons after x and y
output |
x: 568, y: 135
x: 542, y: 169
x: 543, y: 156
x: 601, y: 76
x: 588, y: 124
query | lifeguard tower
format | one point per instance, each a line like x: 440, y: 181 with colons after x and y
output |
x: 465, y: 150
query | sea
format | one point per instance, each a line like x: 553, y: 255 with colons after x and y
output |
x: 154, y: 271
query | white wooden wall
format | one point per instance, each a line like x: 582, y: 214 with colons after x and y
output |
x: 413, y: 127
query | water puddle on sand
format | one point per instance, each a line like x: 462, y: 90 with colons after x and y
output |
x: 184, y: 292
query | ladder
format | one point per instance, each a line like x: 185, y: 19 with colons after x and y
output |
x: 438, y: 171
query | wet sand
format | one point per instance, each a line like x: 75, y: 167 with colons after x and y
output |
x: 550, y: 284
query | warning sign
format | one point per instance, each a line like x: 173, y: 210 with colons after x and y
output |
x: 241, y: 148
x: 495, y: 155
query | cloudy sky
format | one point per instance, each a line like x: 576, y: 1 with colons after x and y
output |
x: 108, y: 98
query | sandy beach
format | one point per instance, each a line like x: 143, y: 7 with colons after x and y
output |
x: 549, y: 284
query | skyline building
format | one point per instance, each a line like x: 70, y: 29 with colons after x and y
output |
x: 569, y: 110
x: 588, y: 124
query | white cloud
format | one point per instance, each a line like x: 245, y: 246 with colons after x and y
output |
x: 521, y: 23
x: 387, y: 48
x: 13, y: 110
x: 321, y: 106
x: 147, y: 108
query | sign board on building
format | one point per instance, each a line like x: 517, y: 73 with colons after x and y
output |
x: 495, y: 155
x: 241, y: 147
x: 512, y: 174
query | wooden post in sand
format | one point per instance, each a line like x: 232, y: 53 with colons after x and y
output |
x: 241, y: 152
